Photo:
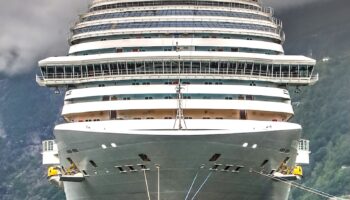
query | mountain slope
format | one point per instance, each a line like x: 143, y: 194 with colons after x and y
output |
x: 325, y: 115
x: 27, y: 115
x: 323, y: 28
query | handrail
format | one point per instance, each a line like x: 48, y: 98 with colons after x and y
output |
x: 183, y: 71
x: 235, y: 26
x: 101, y: 1
x: 259, y: 7
x: 304, y: 145
x: 74, y: 37
x: 62, y: 79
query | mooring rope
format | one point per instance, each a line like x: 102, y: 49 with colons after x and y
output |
x: 300, y: 186
x: 147, y: 189
x: 194, y: 180
x: 206, y: 179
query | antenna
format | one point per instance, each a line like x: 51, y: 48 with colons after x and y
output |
x: 179, y: 113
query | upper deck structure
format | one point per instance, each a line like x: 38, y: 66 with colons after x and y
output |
x: 154, y: 39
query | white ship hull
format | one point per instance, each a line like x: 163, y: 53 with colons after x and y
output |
x: 180, y: 155
x: 176, y: 100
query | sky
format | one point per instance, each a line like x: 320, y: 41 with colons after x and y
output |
x: 287, y: 4
x: 35, y: 29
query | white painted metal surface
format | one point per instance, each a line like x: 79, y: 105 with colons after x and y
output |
x: 172, y: 55
x: 50, y: 153
x: 303, y: 157
x: 274, y: 35
x: 172, y: 104
x: 171, y: 42
x: 171, y: 89
x: 165, y: 127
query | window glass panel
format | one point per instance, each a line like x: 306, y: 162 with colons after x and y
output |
x: 205, y: 67
x: 77, y: 71
x: 158, y: 66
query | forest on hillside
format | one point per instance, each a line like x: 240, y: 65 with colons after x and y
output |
x: 324, y: 112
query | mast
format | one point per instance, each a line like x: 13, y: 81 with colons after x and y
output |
x: 179, y: 113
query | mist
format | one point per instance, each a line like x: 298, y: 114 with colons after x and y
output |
x: 34, y: 29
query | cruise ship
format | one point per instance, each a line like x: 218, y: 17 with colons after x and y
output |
x: 176, y: 100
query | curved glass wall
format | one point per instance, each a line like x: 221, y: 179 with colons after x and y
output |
x: 171, y: 24
x: 175, y: 13
x: 177, y: 67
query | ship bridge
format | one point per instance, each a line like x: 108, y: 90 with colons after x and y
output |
x: 279, y: 69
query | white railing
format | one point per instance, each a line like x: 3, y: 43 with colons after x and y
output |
x: 245, y: 4
x: 180, y: 30
x: 45, y: 81
x: 303, y: 157
x: 304, y: 145
x: 50, y: 153
x: 49, y: 146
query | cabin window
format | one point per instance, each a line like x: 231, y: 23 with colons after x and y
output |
x: 105, y: 98
x: 249, y: 97
x: 243, y: 114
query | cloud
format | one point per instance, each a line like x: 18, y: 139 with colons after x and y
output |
x: 34, y: 29
x: 287, y: 4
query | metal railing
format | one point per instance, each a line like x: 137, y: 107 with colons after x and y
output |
x: 49, y: 146
x: 304, y: 145
x: 241, y: 4
x: 298, y: 78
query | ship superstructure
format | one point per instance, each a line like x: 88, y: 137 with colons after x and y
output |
x: 176, y: 100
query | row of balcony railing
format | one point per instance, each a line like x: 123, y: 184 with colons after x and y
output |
x: 234, y: 74
x: 241, y: 4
